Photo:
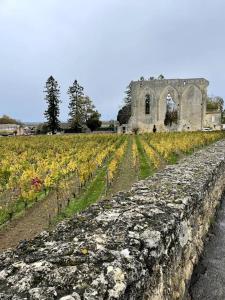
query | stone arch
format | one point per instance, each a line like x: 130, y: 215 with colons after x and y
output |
x: 162, y: 103
x: 191, y: 108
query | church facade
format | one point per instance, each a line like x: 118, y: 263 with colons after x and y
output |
x: 168, y: 105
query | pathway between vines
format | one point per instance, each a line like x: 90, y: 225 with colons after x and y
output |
x: 36, y: 219
x: 126, y: 174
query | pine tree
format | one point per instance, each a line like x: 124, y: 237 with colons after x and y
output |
x: 52, y: 98
x: 124, y: 113
x: 88, y: 107
x: 127, y: 98
x: 76, y: 106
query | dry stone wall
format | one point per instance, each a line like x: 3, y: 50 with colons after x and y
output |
x: 138, y: 245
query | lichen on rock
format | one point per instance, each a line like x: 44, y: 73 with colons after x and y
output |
x: 137, y: 245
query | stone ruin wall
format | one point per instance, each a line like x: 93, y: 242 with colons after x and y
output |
x: 137, y: 245
x: 190, y: 96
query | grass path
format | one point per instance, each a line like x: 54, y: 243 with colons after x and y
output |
x: 38, y: 217
x: 97, y: 189
x: 52, y: 209
x: 94, y: 190
x: 145, y: 168
x: 126, y: 173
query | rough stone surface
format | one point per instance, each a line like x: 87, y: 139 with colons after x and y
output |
x: 137, y: 245
x: 189, y: 96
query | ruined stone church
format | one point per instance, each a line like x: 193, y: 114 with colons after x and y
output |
x: 170, y: 105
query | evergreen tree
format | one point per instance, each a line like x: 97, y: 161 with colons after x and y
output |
x: 88, y: 107
x: 127, y: 98
x: 52, y: 98
x: 76, y: 106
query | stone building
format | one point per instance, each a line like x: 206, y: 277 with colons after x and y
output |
x: 213, y: 119
x: 11, y: 129
x: 169, y: 104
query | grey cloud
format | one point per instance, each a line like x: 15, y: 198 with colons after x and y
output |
x: 104, y: 44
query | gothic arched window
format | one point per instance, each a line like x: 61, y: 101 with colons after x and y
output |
x: 147, y: 104
x: 171, y: 111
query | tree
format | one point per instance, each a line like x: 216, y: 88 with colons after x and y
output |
x: 42, y: 128
x: 127, y: 98
x: 215, y: 103
x: 52, y: 98
x: 76, y: 106
x: 88, y: 108
x: 111, y: 125
x: 82, y: 110
x: 8, y: 120
x: 124, y: 114
x: 161, y: 77
x: 170, y: 118
x: 93, y: 122
x: 220, y: 102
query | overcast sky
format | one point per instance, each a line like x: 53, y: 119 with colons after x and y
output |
x: 104, y: 44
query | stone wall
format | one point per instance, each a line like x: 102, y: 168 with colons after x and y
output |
x: 189, y: 95
x: 138, y: 245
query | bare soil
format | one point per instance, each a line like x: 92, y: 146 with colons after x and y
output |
x: 38, y: 218
x: 35, y: 219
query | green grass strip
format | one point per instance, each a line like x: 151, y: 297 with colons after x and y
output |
x: 145, y: 169
x: 92, y: 193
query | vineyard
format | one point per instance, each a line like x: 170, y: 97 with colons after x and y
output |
x: 78, y: 170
